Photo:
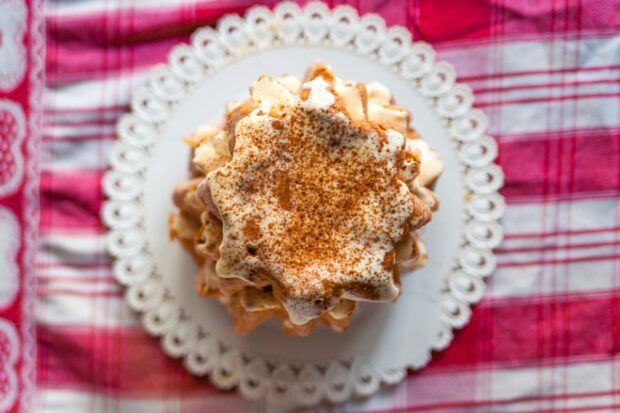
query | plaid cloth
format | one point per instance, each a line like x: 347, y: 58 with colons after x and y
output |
x: 546, y: 337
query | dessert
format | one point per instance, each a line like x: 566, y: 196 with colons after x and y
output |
x: 306, y: 200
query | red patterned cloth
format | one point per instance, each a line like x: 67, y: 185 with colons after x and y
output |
x: 546, y: 337
x: 21, y: 120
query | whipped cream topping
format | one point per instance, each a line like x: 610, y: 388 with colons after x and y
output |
x: 353, y: 97
x: 319, y: 95
x: 381, y: 109
x: 378, y: 93
x: 311, y: 201
x: 292, y: 83
x: 202, y: 134
x: 212, y: 153
x: 270, y: 94
x: 432, y: 164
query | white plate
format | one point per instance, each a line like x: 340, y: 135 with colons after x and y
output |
x: 149, y: 159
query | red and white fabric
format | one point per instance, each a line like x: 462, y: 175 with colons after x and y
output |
x: 21, y: 120
x: 546, y: 337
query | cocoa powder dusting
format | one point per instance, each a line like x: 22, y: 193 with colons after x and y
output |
x: 331, y: 204
x: 325, y: 186
x: 251, y: 230
x: 322, y: 184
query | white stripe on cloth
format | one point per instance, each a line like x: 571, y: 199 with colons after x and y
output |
x: 553, y: 217
x: 585, y: 386
x: 501, y: 390
x: 68, y: 8
x: 558, y: 57
x: 68, y: 309
x: 94, y: 94
x: 71, y: 156
x: 560, y: 115
x: 72, y: 249
x: 563, y: 246
x: 63, y: 272
x: 528, y: 281
x: 73, y: 401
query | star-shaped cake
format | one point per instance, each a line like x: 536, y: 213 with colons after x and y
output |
x: 305, y: 200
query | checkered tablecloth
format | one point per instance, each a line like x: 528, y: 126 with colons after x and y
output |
x: 546, y: 337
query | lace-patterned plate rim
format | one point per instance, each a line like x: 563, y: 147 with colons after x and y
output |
x: 213, y: 49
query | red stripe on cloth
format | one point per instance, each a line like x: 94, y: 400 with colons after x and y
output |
x: 467, y: 404
x: 558, y: 247
x: 526, y: 235
x: 81, y: 138
x: 47, y: 228
x: 442, y: 20
x: 111, y: 360
x: 597, y: 161
x: 80, y: 122
x: 523, y: 18
x: 51, y: 278
x: 75, y: 265
x: 72, y: 63
x: 535, y: 329
x: 42, y: 293
x: 547, y: 99
x: 71, y: 200
x: 445, y: 20
x: 93, y: 110
x: 555, y: 261
x: 565, y: 197
x: 560, y: 133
